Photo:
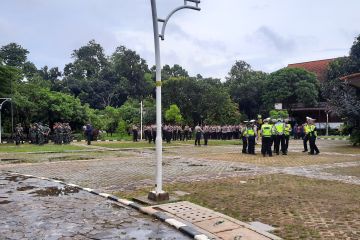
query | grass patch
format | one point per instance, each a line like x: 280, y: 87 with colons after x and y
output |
x: 345, y: 171
x: 299, y: 207
x: 224, y: 142
x: 335, y: 136
x: 11, y: 148
x: 134, y: 144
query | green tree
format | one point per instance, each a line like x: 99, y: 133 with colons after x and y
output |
x: 131, y: 70
x: 173, y: 114
x: 8, y: 76
x: 291, y: 85
x: 343, y: 98
x: 276, y: 114
x: 174, y: 71
x: 13, y: 55
x: 246, y: 88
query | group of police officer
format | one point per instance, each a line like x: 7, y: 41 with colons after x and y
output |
x: 62, y: 133
x: 277, y: 133
x: 40, y: 133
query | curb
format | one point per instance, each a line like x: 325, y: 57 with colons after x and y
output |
x: 341, y: 139
x: 163, y: 217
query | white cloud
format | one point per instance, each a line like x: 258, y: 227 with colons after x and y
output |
x: 269, y: 34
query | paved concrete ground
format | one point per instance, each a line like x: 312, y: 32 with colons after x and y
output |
x: 112, y: 173
x: 36, y: 209
x: 124, y: 170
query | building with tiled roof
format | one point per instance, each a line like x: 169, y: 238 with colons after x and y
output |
x: 353, y: 79
x: 299, y: 111
x: 318, y: 67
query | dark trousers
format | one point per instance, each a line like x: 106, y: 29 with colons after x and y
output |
x: 305, y: 140
x: 279, y: 139
x: 197, y: 138
x: 149, y: 137
x: 168, y: 137
x: 88, y: 137
x: 135, y: 135
x: 266, y: 146
x: 286, y: 139
x: 245, y: 143
x: 313, y: 147
x: 153, y: 136
x: 186, y: 134
x: 206, y: 138
x: 251, y: 144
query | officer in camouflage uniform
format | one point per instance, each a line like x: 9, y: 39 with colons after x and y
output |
x: 67, y: 133
x: 18, y: 134
x: 46, y: 131
x: 32, y: 133
x: 39, y: 134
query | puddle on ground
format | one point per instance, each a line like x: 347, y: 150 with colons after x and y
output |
x: 8, y: 159
x: 69, y: 158
x: 59, y: 179
x: 196, y: 165
x: 5, y: 202
x: 116, y: 206
x: 55, y: 191
x: 16, y: 178
x: 12, y: 160
x: 240, y: 169
x: 25, y: 188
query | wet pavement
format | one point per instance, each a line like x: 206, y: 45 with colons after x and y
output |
x: 31, y: 208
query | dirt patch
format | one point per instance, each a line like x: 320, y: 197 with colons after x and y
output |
x: 300, y: 208
x: 290, y: 160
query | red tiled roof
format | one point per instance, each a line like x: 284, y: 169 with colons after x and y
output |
x: 318, y: 67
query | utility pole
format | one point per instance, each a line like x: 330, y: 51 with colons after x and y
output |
x: 158, y: 194
x: 141, y: 120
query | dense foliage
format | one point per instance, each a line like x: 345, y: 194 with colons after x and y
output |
x: 107, y: 90
x: 342, y: 97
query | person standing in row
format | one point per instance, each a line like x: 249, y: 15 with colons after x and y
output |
x: 251, y: 135
x: 19, y: 134
x: 244, y: 137
x: 312, y: 138
x: 306, y: 129
x: 198, y: 132
x: 206, y: 134
x: 266, y: 132
x: 287, y: 132
x: 89, y: 133
x: 279, y: 137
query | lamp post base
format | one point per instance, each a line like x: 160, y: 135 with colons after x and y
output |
x: 158, y: 197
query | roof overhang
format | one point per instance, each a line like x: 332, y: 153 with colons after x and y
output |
x: 353, y: 79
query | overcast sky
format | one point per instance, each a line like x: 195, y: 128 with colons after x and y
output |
x: 268, y: 34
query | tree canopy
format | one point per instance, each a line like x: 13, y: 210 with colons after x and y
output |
x: 107, y: 89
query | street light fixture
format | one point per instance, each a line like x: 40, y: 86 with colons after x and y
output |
x: 1, y: 104
x: 158, y: 194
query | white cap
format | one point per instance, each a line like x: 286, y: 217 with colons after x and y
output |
x: 252, y: 121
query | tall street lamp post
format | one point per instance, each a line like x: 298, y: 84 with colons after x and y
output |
x: 3, y: 100
x: 158, y: 194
